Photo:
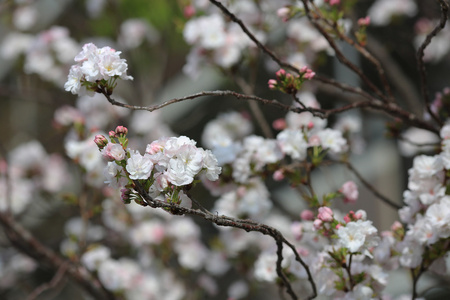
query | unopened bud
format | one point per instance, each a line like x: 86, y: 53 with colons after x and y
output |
x: 121, y: 131
x: 101, y: 141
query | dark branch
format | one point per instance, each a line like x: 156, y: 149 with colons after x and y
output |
x: 420, y: 54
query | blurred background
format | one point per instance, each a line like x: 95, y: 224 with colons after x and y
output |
x: 33, y: 70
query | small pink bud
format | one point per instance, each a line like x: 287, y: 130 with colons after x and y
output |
x: 112, y: 134
x: 364, y: 21
x: 396, y: 226
x: 101, y: 141
x: 125, y: 195
x: 335, y: 2
x: 280, y: 73
x: 121, y: 131
x: 189, y: 11
x: 283, y: 13
x: 304, y: 69
x: 347, y: 219
x: 350, y: 192
x: 317, y: 224
x: 309, y: 75
x: 279, y: 124
x: 325, y: 214
x: 278, y: 175
x: 310, y: 125
x: 339, y: 225
x: 307, y: 215
x: 272, y: 83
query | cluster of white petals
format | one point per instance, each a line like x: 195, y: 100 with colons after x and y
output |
x: 358, y: 236
x: 95, y: 64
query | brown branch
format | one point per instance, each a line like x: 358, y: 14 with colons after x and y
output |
x: 391, y: 108
x: 369, y: 186
x: 340, y: 56
x: 362, y: 50
x: 247, y: 225
x: 421, y: 52
x: 24, y: 241
x: 59, y: 276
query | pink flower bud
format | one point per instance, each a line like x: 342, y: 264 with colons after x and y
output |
x: 280, y: 73
x: 347, y: 219
x: 307, y: 215
x: 335, y: 2
x: 283, y: 13
x: 189, y: 11
x: 350, y: 192
x: 309, y: 75
x: 101, y: 141
x: 325, y: 214
x: 112, y: 134
x: 125, y: 195
x: 364, y: 21
x: 339, y: 225
x: 272, y: 83
x: 278, y: 175
x: 304, y: 69
x: 396, y: 226
x: 121, y: 131
x: 279, y: 124
x: 317, y: 224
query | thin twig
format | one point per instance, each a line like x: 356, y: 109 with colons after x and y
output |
x: 59, y: 276
x: 247, y: 225
x: 391, y: 109
x: 24, y: 241
x: 420, y: 55
x: 362, y: 50
x: 340, y: 56
x: 370, y: 186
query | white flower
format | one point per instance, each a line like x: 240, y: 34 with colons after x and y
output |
x: 333, y: 140
x: 292, y: 142
x: 117, y: 275
x: 94, y: 257
x: 138, y: 166
x: 358, y: 236
x: 74, y: 78
x: 265, y: 267
x: 210, y: 165
x: 427, y: 166
x: 184, y: 165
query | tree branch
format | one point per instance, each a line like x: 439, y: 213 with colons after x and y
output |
x: 247, y: 225
x: 24, y: 241
x: 420, y: 62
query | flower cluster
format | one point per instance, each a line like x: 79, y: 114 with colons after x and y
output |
x: 96, y: 70
x: 167, y: 166
x: 288, y: 83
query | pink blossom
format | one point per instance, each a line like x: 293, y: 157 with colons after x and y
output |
x: 113, y: 152
x: 335, y: 2
x: 317, y: 224
x: 325, y: 214
x: 280, y: 73
x: 364, y: 21
x: 307, y: 215
x: 278, y: 175
x: 272, y: 83
x: 279, y: 124
x: 350, y: 192
x: 283, y: 13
